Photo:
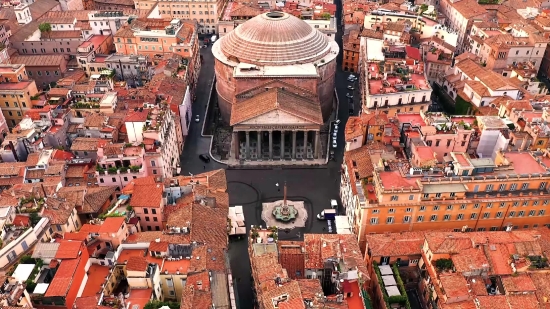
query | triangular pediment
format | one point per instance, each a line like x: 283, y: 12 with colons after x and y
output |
x: 276, y: 117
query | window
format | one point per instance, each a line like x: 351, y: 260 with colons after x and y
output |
x: 541, y: 212
x: 154, y: 211
x: 433, y: 218
x: 422, y: 208
x: 408, y: 210
x: 473, y: 216
x: 420, y: 219
x: 486, y: 215
x: 389, y: 220
x: 169, y: 282
x: 449, y: 207
x: 531, y: 213
x: 153, y: 163
x: 452, y: 194
x: 394, y: 198
x: 155, y: 219
x: 499, y: 214
x: 513, y: 187
x: 489, y: 188
x: 535, y: 203
x: 476, y: 206
x: 438, y: 195
x: 146, y: 218
x: 373, y: 220
x: 524, y: 186
x: 426, y: 195
x: 525, y: 203
x: 411, y: 197
x: 375, y: 211
x: 489, y: 205
x: 502, y: 187
x: 463, y: 206
x: 436, y: 207
x: 494, y: 228
x: 391, y: 210
x: 447, y: 217
x: 460, y: 217
x: 512, y: 214
x: 502, y: 205
x: 521, y: 213
x: 542, y: 185
x: 515, y: 204
x: 545, y: 202
x: 145, y: 210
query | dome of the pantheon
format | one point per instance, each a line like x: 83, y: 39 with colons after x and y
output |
x: 275, y: 38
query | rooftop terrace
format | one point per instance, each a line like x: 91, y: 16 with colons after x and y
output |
x: 396, y: 76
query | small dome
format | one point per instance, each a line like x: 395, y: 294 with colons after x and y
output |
x: 275, y: 38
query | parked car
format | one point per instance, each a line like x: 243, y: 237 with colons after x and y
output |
x: 334, y: 144
x: 334, y: 134
x: 197, y: 118
x: 352, y: 78
x: 205, y: 158
x: 337, y: 121
x: 350, y: 87
x: 349, y: 95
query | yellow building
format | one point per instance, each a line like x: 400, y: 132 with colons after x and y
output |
x: 16, y: 91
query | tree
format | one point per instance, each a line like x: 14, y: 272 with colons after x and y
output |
x: 45, y: 28
x: 423, y: 8
x: 34, y: 218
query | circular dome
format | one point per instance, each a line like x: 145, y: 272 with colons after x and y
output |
x: 275, y: 38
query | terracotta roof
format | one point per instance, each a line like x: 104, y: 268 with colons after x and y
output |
x: 125, y: 32
x: 75, y: 171
x: 209, y: 225
x: 470, y: 259
x: 359, y: 160
x: 277, y: 99
x: 520, y: 283
x: 63, y: 278
x: 95, y: 120
x: 396, y: 244
x: 454, y: 284
x: 87, y: 144
x: 95, y: 198
x: 179, y: 239
x: 468, y: 8
x: 528, y: 301
x: 58, y: 211
x: 112, y: 225
x: 158, y: 246
x: 11, y: 168
x: 442, y: 243
x: 137, y: 263
x: 89, y: 302
x: 137, y: 116
x: 148, y: 195
x: 39, y: 60
x: 68, y: 250
x: 72, y: 34
x: 21, y: 220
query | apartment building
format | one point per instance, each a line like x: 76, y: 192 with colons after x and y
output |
x: 16, y: 93
x: 44, y: 69
x: 478, y: 85
x: 155, y: 128
x: 352, y: 46
x: 151, y: 37
x: 464, y: 270
x: 470, y: 193
x: 135, y: 70
x: 284, y: 275
x: 461, y: 15
x: 500, y: 49
x: 120, y: 164
x: 394, y: 84
x: 205, y: 13
x: 437, y: 56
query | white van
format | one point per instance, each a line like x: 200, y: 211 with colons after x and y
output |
x: 333, y: 204
x: 213, y: 39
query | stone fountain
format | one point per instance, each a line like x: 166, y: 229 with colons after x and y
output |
x: 284, y: 214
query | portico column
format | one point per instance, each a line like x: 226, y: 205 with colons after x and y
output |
x: 270, y: 145
x: 259, y: 146
x: 247, y: 150
x: 282, y: 145
x: 293, y: 145
x: 236, y: 144
x: 317, y: 145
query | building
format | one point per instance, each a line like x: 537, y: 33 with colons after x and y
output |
x: 478, y: 194
x: 45, y: 70
x: 300, y: 274
x: 255, y: 83
x: 487, y: 269
x: 148, y: 202
x: 394, y: 86
x: 120, y: 164
x: 135, y: 70
x: 16, y: 92
x: 206, y: 13
x: 461, y: 15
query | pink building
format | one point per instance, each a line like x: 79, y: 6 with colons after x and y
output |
x: 119, y: 164
x: 439, y: 132
x: 147, y: 201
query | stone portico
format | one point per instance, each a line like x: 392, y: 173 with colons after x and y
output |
x: 276, y: 126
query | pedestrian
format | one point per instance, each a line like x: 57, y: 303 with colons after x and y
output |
x: 204, y: 166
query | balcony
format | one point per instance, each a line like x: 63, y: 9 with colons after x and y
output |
x: 118, y: 170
